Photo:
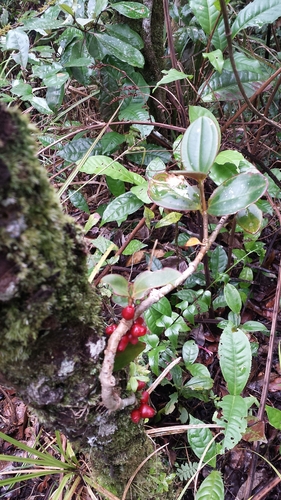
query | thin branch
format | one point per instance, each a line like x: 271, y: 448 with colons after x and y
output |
x: 110, y: 398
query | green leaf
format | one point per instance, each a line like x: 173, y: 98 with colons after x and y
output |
x: 121, y: 50
x: 233, y: 419
x: 117, y: 283
x: 199, y: 439
x: 235, y: 359
x: 67, y: 9
x: 162, y: 307
x: 155, y: 167
x: 136, y: 112
x: 18, y: 40
x: 141, y: 192
x: 218, y: 261
x: 92, y: 221
x: 216, y: 59
x: 171, y: 218
x: 172, y: 75
x: 111, y: 141
x: 148, y: 280
x: 254, y: 326
x: 54, y: 97
x: 134, y: 10
x: 223, y: 87
x: 274, y: 417
x: 197, y: 111
x: 101, y: 164
x: 205, y: 13
x: 237, y: 193
x: 232, y: 297
x: 256, y: 13
x: 119, y: 209
x: 124, y: 358
x: 173, y: 192
x: 250, y: 219
x: 56, y: 79
x: 96, y: 7
x: 199, y: 383
x: 198, y: 370
x: 243, y: 63
x: 200, y: 146
x: 41, y: 105
x: 212, y: 488
x: 77, y: 199
x: 134, y: 246
x: 115, y: 186
x: 190, y: 352
x: 125, y: 33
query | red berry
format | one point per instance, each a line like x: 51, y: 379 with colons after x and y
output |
x: 123, y: 344
x: 146, y: 411
x: 128, y: 312
x: 138, y: 330
x: 139, y: 320
x: 133, y: 340
x: 110, y: 329
x: 135, y: 416
x: 144, y: 397
x: 141, y: 385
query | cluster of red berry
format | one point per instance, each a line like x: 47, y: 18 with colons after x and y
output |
x: 144, y: 410
x: 138, y: 329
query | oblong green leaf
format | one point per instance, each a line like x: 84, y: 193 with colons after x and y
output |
x: 17, y: 39
x: 124, y: 358
x: 134, y: 10
x: 223, y: 87
x: 256, y: 13
x: 148, y: 279
x: 250, y: 219
x: 199, y: 147
x: 199, y: 439
x: 212, y: 488
x: 118, y: 284
x: 136, y: 112
x: 122, y: 50
x: 274, y: 417
x: 103, y: 165
x: 190, y: 352
x: 233, y: 419
x: 205, y: 13
x: 235, y: 359
x: 77, y: 199
x: 120, y: 208
x: 237, y: 193
x: 232, y: 297
x: 173, y: 192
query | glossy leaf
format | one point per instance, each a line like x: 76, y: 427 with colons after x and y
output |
x: 235, y: 359
x: 96, y: 7
x: 250, y: 219
x: 125, y: 33
x: 212, y: 488
x: 121, y: 50
x: 232, y: 297
x: 18, y: 40
x: 155, y: 167
x: 172, y: 75
x: 136, y: 112
x: 134, y: 246
x: 190, y: 352
x: 233, y: 419
x: 205, y: 13
x: 223, y: 87
x: 199, y: 383
x: 101, y: 164
x: 119, y: 209
x: 274, y: 417
x: 197, y: 111
x: 200, y: 146
x: 133, y: 10
x: 117, y: 283
x: 124, y: 358
x: 256, y: 13
x: 198, y: 370
x: 216, y: 59
x: 218, y: 261
x: 199, y: 439
x: 77, y: 199
x: 237, y: 193
x: 254, y: 326
x: 173, y: 192
x: 171, y: 218
x: 141, y: 192
x: 148, y: 280
x: 162, y: 307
